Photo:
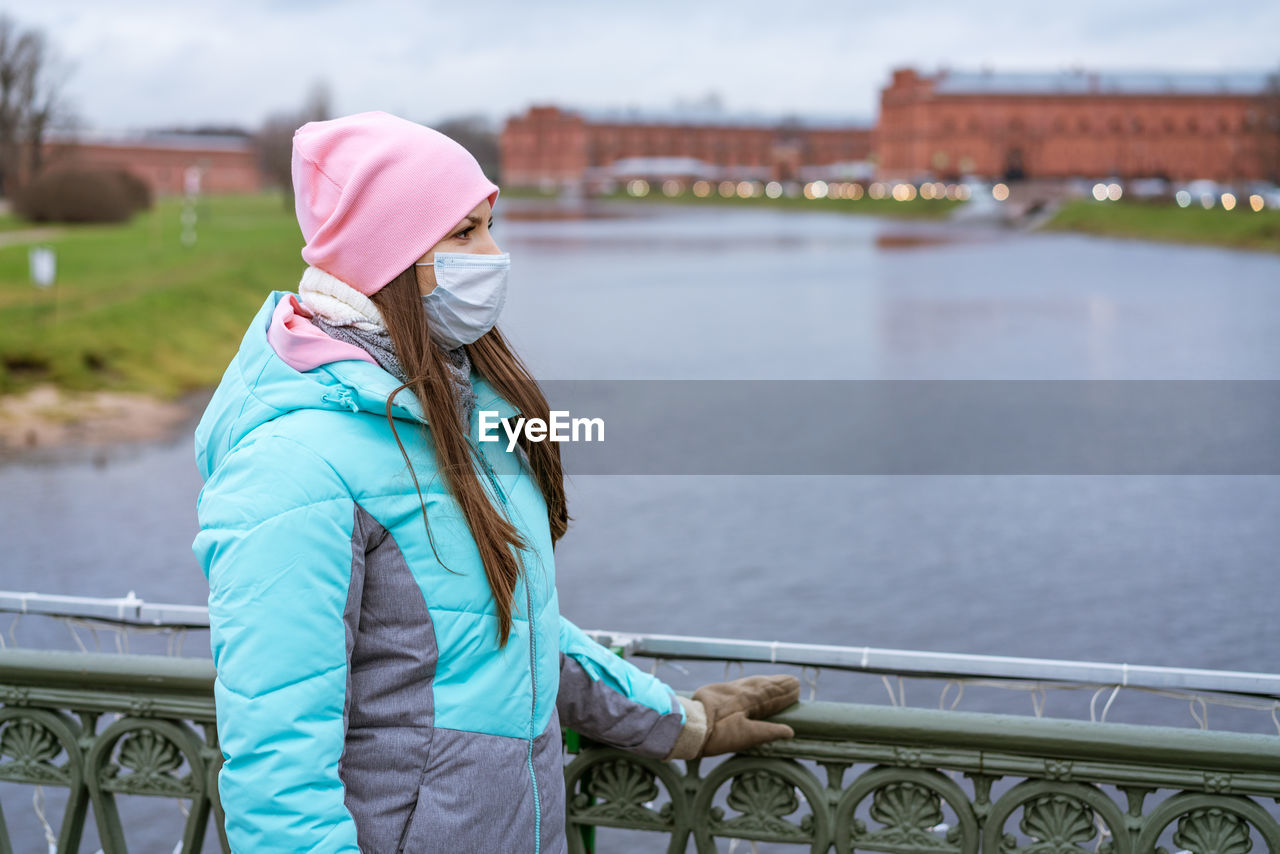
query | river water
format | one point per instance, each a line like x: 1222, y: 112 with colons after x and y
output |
x: 1151, y: 569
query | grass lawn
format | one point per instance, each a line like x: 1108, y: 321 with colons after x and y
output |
x: 527, y: 193
x: 917, y: 208
x: 1240, y: 228
x: 133, y: 309
x: 9, y: 222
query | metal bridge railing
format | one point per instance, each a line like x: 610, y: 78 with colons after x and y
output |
x: 856, y: 777
x: 121, y: 617
x: 99, y: 729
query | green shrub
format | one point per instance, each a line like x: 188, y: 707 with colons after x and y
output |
x: 138, y: 189
x: 79, y: 194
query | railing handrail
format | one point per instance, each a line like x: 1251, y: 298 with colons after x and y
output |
x: 944, y: 665
x: 125, y: 610
x: 133, y: 611
x: 175, y: 686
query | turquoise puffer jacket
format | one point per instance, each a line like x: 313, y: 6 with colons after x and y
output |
x: 363, y: 701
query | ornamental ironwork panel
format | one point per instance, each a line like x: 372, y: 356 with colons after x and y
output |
x: 855, y: 778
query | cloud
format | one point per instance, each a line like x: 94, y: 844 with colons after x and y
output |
x: 140, y: 63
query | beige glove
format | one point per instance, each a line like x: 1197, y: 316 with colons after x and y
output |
x: 721, y: 717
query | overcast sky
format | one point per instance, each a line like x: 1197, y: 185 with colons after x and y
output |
x: 144, y: 63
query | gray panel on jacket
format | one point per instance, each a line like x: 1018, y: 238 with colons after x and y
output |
x: 474, y: 799
x: 391, y: 655
x: 601, y: 713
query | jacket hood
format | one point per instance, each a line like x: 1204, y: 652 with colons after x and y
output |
x: 259, y: 386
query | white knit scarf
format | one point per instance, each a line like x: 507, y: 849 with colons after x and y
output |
x: 343, y: 313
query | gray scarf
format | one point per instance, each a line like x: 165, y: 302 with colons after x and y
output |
x: 377, y: 343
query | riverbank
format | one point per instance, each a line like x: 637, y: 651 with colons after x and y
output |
x: 1161, y: 221
x: 916, y: 208
x: 1241, y: 228
x: 46, y: 423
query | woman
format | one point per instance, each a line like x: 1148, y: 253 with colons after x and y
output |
x: 393, y: 670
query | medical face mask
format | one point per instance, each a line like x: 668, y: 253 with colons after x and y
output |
x: 468, y: 297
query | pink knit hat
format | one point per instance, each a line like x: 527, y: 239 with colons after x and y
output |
x: 374, y: 192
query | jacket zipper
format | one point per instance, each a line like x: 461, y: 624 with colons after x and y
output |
x: 533, y: 669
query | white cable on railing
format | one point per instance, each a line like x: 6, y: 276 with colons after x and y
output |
x: 71, y: 627
x: 132, y: 613
x: 1092, y: 702
x: 812, y: 682
x: 37, y: 804
x: 1104, y: 831
x: 942, y: 698
x: 893, y: 700
x: 944, y: 665
x: 1203, y: 717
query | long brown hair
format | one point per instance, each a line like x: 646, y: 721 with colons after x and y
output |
x: 498, y: 540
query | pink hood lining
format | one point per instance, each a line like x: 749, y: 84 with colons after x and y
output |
x: 301, y: 344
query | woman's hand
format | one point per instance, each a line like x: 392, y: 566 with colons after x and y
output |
x: 729, y: 712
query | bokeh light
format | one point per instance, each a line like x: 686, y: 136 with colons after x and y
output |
x: 815, y: 190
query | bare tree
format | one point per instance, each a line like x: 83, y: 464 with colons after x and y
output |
x: 274, y: 141
x: 477, y: 135
x: 30, y: 101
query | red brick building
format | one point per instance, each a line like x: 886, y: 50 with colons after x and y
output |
x: 228, y: 164
x: 1075, y: 124
x: 548, y: 146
